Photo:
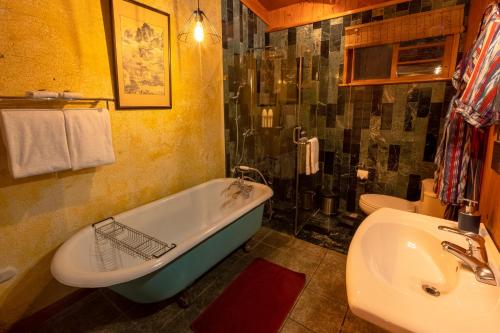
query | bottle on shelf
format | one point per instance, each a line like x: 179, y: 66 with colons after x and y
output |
x: 264, y: 118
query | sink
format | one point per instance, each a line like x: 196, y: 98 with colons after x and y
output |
x: 399, y: 277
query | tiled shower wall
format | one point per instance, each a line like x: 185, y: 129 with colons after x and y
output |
x: 390, y: 130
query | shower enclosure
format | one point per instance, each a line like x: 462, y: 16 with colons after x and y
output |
x: 390, y: 130
x: 292, y: 81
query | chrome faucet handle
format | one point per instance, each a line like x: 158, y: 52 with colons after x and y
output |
x: 481, y: 270
x: 470, y: 250
x: 470, y: 236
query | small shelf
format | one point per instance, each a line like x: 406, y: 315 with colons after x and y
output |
x: 407, y: 79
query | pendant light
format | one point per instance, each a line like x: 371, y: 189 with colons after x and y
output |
x: 198, y: 29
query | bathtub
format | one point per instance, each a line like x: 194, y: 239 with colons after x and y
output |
x: 204, y: 222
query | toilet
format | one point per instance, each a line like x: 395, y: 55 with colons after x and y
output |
x: 429, y: 204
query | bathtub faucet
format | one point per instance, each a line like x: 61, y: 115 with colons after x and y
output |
x: 242, y: 169
x: 243, y: 188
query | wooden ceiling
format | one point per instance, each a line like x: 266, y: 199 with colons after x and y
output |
x: 275, y: 4
x: 282, y: 14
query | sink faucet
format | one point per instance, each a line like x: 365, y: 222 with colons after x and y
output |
x: 475, y: 257
x: 481, y: 270
x: 475, y: 241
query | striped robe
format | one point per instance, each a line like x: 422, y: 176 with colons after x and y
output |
x: 473, y: 108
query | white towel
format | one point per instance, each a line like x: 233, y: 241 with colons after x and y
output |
x: 89, y: 137
x: 42, y: 94
x: 308, y: 158
x: 312, y: 156
x: 70, y: 95
x: 36, y: 141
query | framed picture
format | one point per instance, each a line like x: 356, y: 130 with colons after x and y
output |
x: 141, y: 38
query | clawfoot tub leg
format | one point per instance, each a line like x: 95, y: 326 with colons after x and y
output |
x: 247, y: 247
x: 182, y: 299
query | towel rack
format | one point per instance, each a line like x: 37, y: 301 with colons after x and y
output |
x: 58, y: 99
x: 301, y: 140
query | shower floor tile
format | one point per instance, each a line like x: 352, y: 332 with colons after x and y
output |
x: 321, y: 306
x: 331, y: 232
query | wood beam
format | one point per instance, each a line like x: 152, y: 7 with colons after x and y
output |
x: 256, y: 7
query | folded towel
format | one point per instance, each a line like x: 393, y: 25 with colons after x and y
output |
x: 42, y: 94
x: 308, y: 159
x: 89, y: 137
x: 70, y: 95
x: 36, y: 141
x: 312, y: 156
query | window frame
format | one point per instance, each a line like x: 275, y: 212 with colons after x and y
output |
x: 448, y: 62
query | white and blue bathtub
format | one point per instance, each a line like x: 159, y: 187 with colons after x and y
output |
x: 205, y: 222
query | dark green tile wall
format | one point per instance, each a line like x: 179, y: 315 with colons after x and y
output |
x: 390, y: 130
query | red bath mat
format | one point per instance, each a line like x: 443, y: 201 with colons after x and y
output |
x: 258, y: 301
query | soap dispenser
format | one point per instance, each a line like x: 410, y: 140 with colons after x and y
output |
x: 468, y: 217
x: 264, y: 118
x: 270, y: 118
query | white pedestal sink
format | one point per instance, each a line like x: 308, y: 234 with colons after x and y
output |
x: 396, y: 268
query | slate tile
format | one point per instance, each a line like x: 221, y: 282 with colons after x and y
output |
x: 318, y: 313
x: 386, y: 117
x: 393, y: 159
x: 424, y: 102
x: 413, y: 191
x: 335, y: 37
x: 415, y: 6
x: 346, y: 143
x: 366, y: 16
x: 376, y: 104
x: 292, y: 36
x: 410, y: 114
x: 431, y: 142
x: 346, y: 21
x: 325, y: 30
x: 325, y: 49
x: 331, y: 115
x: 329, y: 160
x: 356, y: 19
x: 351, y: 200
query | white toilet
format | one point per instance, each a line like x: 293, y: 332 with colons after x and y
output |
x: 429, y: 204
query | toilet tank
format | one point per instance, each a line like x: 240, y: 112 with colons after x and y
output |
x: 429, y: 203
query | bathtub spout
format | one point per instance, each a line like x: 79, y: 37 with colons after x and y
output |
x: 243, y: 188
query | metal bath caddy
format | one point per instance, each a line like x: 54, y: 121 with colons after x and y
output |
x: 129, y: 240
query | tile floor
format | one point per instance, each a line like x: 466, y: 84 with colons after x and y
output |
x: 321, y: 307
x: 332, y: 232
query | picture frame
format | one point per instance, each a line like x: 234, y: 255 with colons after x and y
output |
x: 141, y: 44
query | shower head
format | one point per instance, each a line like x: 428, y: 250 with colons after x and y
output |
x: 237, y: 95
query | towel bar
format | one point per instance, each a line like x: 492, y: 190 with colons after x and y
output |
x: 58, y: 99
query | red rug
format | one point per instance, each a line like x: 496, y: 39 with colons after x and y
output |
x: 258, y: 301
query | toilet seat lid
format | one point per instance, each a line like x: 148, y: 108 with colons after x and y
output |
x: 380, y: 200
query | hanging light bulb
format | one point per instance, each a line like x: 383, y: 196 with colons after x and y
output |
x: 199, y: 35
x: 198, y: 28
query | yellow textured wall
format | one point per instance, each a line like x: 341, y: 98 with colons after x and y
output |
x: 65, y: 44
